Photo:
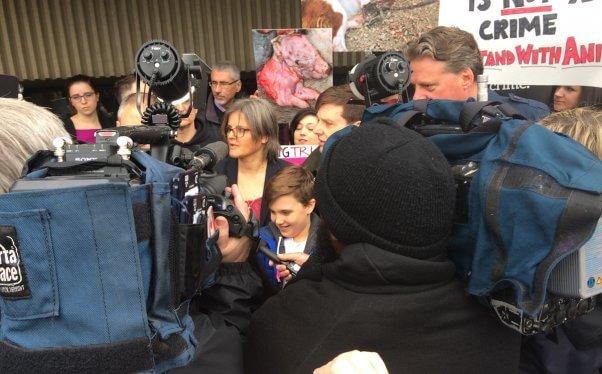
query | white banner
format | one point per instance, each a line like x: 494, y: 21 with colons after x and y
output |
x: 296, y: 154
x: 539, y: 42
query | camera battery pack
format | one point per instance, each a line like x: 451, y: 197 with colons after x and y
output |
x: 580, y: 273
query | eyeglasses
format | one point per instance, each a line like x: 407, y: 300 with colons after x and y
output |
x: 78, y: 98
x: 238, y: 132
x: 223, y: 84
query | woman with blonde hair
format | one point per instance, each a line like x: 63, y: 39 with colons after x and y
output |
x: 26, y: 128
x: 582, y: 124
x: 577, y: 344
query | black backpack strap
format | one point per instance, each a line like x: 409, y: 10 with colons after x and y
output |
x: 475, y: 113
x: 509, y: 111
x: 420, y: 107
x: 407, y: 116
x: 473, y: 109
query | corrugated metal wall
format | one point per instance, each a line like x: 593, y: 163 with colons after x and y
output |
x: 50, y: 39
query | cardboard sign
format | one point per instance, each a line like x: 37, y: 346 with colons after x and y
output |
x: 296, y: 154
x: 539, y: 42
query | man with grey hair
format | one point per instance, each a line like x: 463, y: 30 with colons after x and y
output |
x: 445, y: 63
x: 225, y: 88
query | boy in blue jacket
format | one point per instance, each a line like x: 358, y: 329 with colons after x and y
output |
x: 291, y: 234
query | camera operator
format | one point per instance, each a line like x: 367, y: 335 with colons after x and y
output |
x: 193, y: 134
x: 380, y: 279
x: 445, y: 63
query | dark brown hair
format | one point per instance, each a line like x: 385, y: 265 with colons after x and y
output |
x: 340, y: 95
x: 302, y: 113
x: 292, y: 180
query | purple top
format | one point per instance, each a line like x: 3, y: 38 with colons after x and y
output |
x: 86, y: 135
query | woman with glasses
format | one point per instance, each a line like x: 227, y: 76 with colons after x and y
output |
x: 88, y: 114
x: 301, y: 127
x: 251, y: 130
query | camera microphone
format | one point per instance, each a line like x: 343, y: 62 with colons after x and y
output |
x: 209, y: 155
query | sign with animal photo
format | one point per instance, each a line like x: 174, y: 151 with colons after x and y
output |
x: 293, y: 65
x: 370, y: 25
x: 534, y: 42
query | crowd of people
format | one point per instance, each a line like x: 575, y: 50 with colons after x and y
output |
x: 367, y: 217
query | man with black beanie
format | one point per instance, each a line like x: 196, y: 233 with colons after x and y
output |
x: 381, y: 280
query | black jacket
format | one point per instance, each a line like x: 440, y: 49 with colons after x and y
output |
x: 221, y: 316
x: 213, y: 116
x: 414, y: 313
x: 312, y: 163
x: 204, y: 135
x: 229, y: 167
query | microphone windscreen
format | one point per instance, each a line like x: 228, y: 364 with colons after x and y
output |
x: 219, y: 150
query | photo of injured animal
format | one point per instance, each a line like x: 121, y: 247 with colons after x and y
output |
x: 293, y: 66
x: 370, y: 25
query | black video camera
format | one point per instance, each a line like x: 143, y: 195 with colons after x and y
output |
x: 171, y: 78
x: 106, y: 161
x: 378, y: 76
x: 198, y: 188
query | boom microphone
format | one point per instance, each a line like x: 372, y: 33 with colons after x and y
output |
x: 209, y: 155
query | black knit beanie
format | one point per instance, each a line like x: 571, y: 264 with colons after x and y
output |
x: 389, y: 186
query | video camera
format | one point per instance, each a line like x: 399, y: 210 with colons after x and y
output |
x: 174, y: 79
x: 109, y: 160
x: 171, y: 79
x: 379, y: 76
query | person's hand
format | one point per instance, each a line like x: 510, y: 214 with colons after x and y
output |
x: 298, y: 258
x: 353, y: 362
x: 255, y: 95
x: 233, y: 249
